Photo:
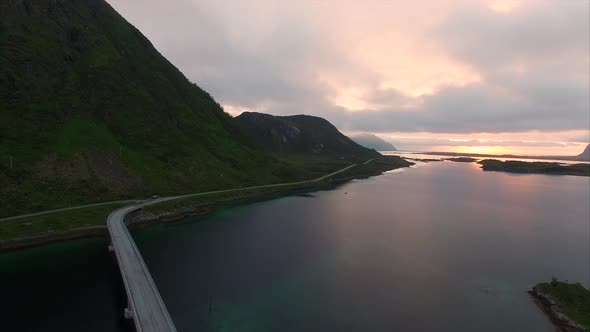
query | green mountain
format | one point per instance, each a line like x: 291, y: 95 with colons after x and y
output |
x: 300, y: 135
x: 90, y: 111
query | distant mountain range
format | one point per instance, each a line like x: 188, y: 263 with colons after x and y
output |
x: 299, y: 135
x: 373, y: 142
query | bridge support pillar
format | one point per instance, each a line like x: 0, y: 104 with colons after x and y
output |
x: 128, y: 313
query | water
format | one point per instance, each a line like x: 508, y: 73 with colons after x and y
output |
x: 438, y: 247
x: 421, y: 155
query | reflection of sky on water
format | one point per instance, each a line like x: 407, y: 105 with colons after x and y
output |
x: 438, y: 247
x: 418, y: 155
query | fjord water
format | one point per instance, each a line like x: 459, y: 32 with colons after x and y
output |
x: 439, y: 247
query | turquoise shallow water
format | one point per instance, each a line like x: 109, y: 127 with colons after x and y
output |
x: 439, y: 247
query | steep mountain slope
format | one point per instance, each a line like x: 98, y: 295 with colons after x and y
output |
x: 373, y: 142
x: 90, y: 111
x: 300, y: 135
x: 585, y: 155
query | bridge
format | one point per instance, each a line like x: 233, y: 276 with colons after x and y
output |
x: 145, y: 305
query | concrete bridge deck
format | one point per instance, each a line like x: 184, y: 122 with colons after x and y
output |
x: 145, y: 304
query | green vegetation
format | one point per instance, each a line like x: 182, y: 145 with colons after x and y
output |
x: 91, y: 216
x: 304, y: 168
x: 91, y: 111
x: 205, y: 201
x: 513, y: 166
x: 228, y: 197
x: 573, y: 299
x: 57, y: 221
x: 375, y: 167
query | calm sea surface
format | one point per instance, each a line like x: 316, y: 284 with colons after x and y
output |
x: 441, y: 246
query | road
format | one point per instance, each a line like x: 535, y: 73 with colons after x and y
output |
x: 145, y: 304
x: 266, y: 185
x: 68, y: 208
x: 181, y: 196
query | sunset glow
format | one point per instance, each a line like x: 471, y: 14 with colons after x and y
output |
x: 496, y: 150
x: 408, y: 71
x: 503, y: 5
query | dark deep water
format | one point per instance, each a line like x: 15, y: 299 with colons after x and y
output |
x: 439, y: 247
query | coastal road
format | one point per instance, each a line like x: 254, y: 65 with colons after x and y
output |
x: 69, y: 208
x: 145, y: 304
x: 266, y: 185
x: 148, y: 202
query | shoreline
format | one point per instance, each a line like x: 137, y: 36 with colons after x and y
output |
x: 139, y: 220
x: 537, y: 167
x: 48, y: 238
x: 554, y: 312
x: 142, y: 219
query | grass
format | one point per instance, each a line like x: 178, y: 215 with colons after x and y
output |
x: 225, y: 197
x: 86, y: 101
x: 375, y: 167
x: 91, y: 111
x: 573, y: 299
x: 361, y: 170
x: 90, y: 216
x: 57, y: 221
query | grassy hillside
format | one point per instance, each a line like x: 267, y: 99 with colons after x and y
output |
x: 90, y: 111
x: 300, y: 136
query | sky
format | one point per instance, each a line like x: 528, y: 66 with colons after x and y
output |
x: 483, y: 76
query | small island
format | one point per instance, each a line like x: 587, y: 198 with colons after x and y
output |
x: 566, y: 304
x: 462, y: 159
x: 513, y: 166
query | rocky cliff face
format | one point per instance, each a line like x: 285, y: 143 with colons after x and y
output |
x: 300, y: 135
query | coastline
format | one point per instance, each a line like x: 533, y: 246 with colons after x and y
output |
x: 546, y: 168
x: 142, y: 218
x: 554, y: 311
x: 47, y: 238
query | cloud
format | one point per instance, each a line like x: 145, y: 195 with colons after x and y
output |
x: 475, y: 142
x: 477, y: 108
x: 442, y: 67
x: 537, y: 32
